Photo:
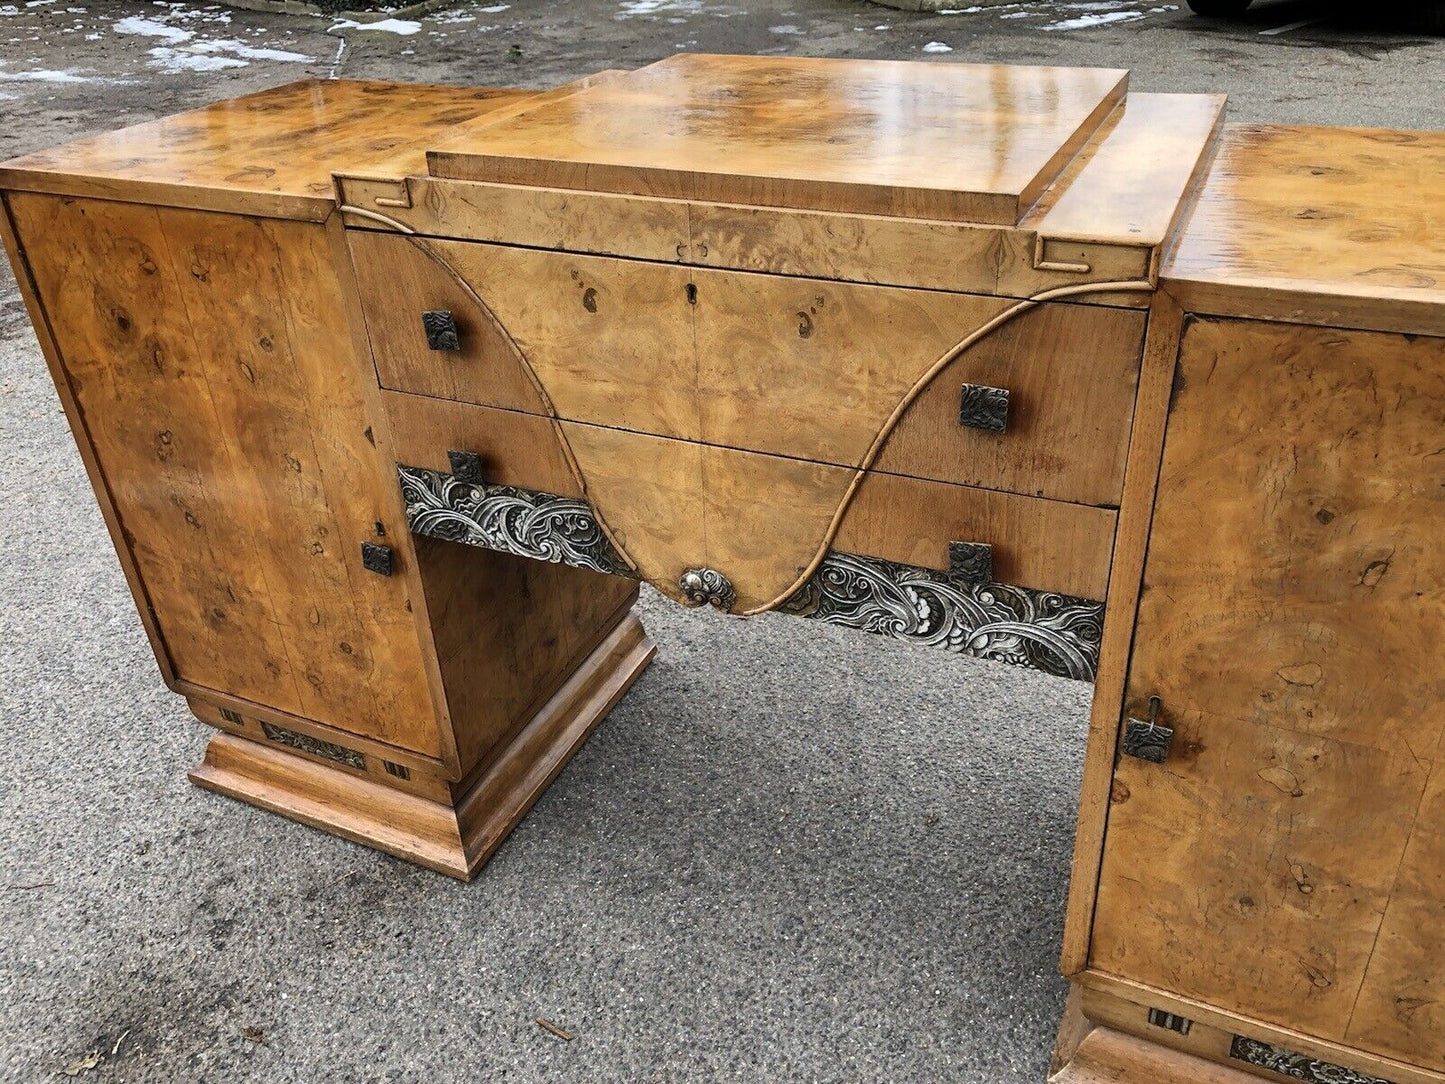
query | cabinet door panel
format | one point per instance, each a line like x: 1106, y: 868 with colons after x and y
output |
x: 1290, y: 622
x: 219, y: 387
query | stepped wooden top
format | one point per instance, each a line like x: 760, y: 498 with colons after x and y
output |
x: 957, y: 142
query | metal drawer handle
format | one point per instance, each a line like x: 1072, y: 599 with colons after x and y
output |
x: 1146, y: 739
x: 376, y: 558
x: 441, y: 330
x: 467, y: 467
x: 983, y: 407
x: 970, y: 562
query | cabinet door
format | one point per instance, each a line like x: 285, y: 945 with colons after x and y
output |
x: 219, y: 387
x: 1285, y: 862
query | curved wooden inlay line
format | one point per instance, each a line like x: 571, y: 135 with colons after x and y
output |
x: 537, y: 385
x: 869, y: 457
x: 949, y: 356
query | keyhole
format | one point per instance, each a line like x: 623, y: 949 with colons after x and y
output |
x: 692, y: 293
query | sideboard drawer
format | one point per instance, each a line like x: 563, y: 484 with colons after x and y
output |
x: 805, y: 368
x: 761, y: 520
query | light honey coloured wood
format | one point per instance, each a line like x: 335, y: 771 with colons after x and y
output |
x: 872, y: 136
x: 222, y: 405
x: 1331, y: 226
x: 209, y: 364
x: 1291, y: 598
x: 270, y: 153
x: 701, y: 354
x: 722, y: 311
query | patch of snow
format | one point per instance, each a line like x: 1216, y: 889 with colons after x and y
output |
x: 67, y: 76
x: 651, y: 7
x: 172, y: 60
x: 404, y: 27
x: 786, y: 28
x: 937, y: 47
x: 495, y: 8
x: 251, y: 52
x: 1083, y: 22
x: 183, y: 51
x: 151, y: 28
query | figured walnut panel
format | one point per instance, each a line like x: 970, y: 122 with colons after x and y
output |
x: 810, y: 368
x: 610, y: 340
x: 221, y: 394
x: 1296, y: 542
x: 1251, y: 870
x: 1401, y: 1010
x: 1289, y: 623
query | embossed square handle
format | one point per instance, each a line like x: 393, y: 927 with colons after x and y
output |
x: 983, y: 407
x: 441, y: 330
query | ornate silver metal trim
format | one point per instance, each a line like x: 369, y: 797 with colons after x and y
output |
x: 1298, y: 1066
x: 708, y: 587
x: 1058, y: 634
x: 522, y: 522
x: 315, y: 746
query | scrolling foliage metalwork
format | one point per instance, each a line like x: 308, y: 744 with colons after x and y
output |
x: 522, y: 522
x: 1058, y: 634
x: 1298, y: 1066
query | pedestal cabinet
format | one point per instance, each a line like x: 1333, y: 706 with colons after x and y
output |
x: 184, y: 281
x: 393, y: 396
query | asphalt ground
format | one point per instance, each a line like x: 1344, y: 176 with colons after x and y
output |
x: 792, y: 853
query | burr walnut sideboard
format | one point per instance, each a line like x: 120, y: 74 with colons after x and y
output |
x: 392, y: 396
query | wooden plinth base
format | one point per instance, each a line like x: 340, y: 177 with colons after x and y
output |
x: 454, y: 839
x: 1106, y: 1056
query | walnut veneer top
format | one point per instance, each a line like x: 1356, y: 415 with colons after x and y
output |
x: 270, y: 153
x: 1327, y: 225
x: 959, y: 142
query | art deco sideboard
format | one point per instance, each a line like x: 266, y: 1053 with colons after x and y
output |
x: 392, y: 396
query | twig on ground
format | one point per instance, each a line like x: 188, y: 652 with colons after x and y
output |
x: 547, y: 1025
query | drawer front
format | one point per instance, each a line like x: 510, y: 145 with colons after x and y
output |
x: 762, y: 521
x: 805, y: 368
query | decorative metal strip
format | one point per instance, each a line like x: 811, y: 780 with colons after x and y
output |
x: 708, y: 587
x: 970, y: 562
x: 1296, y: 1066
x: 1055, y: 633
x: 401, y: 771
x: 522, y: 522
x: 1172, y: 1021
x: 315, y: 746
